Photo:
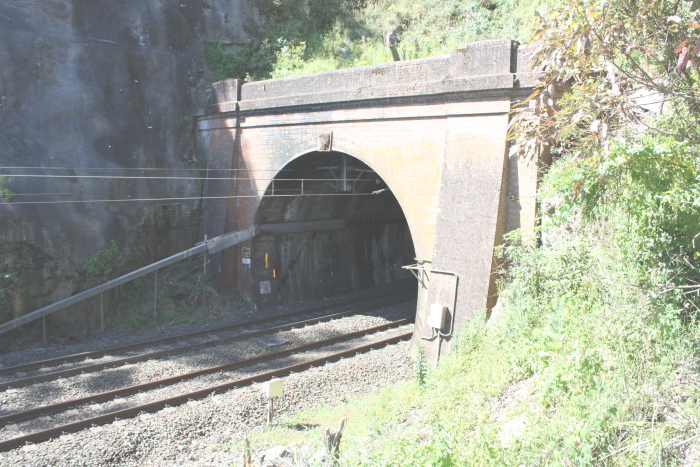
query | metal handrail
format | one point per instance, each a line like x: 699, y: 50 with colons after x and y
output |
x: 211, y: 246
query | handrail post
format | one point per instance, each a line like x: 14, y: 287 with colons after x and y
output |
x: 155, y: 300
x: 102, y: 313
x: 214, y: 245
x: 204, y: 274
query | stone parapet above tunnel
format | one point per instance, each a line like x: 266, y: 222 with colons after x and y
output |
x: 481, y: 66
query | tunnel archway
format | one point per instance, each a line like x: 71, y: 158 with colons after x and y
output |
x: 354, y: 236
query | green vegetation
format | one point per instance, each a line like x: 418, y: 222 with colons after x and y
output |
x: 306, y: 36
x: 137, y: 312
x: 592, y: 358
x: 180, y: 316
x: 420, y: 370
x: 9, y: 278
x: 179, y: 292
x: 102, y: 263
x: 158, y: 217
x: 5, y: 192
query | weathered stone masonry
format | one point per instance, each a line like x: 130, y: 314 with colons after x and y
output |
x: 433, y: 129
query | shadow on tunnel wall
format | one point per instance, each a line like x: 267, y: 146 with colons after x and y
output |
x: 369, y: 248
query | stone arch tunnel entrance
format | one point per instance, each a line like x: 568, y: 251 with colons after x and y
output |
x: 354, y: 235
x: 435, y: 130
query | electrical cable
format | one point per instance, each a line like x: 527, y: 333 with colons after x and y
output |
x: 10, y: 203
x: 156, y: 192
x: 126, y: 177
x: 84, y: 193
x: 138, y: 168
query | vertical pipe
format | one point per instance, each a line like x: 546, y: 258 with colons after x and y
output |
x: 155, y: 299
x: 269, y: 410
x: 302, y: 186
x: 43, y: 322
x: 102, y: 314
x: 344, y: 173
x: 204, y: 274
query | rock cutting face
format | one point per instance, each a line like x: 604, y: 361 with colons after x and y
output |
x: 113, y: 87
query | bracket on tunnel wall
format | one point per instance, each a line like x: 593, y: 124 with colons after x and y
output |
x: 419, y: 271
x: 342, y: 181
x: 423, y: 277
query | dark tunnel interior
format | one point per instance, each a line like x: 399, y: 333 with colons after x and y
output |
x: 365, y: 245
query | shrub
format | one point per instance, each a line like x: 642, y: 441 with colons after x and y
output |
x: 5, y: 192
x: 304, y: 36
x: 102, y: 263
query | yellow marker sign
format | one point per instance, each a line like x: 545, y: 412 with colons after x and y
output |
x: 267, y: 264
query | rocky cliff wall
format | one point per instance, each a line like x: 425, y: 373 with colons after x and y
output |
x: 108, y: 84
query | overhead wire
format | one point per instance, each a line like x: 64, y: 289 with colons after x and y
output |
x: 126, y: 177
x: 176, y: 178
x: 177, y: 191
x: 139, y: 168
x: 11, y: 203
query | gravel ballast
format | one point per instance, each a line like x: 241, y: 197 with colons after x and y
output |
x: 194, y: 433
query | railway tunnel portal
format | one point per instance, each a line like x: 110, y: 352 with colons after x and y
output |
x: 329, y: 224
x: 355, y: 173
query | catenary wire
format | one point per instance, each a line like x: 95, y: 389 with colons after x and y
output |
x: 154, y: 192
x: 181, y: 199
x: 125, y: 177
x: 140, y: 168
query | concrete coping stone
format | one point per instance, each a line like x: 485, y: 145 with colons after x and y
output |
x: 481, y: 58
x: 480, y: 66
x: 420, y: 89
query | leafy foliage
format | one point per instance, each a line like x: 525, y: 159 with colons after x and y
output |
x: 657, y: 187
x: 102, y: 263
x: 5, y: 192
x: 420, y: 370
x: 291, y: 22
x: 606, y: 66
x: 9, y: 278
x: 306, y: 36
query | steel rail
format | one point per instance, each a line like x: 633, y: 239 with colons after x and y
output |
x: 48, y: 409
x: 100, y: 353
x: 200, y: 394
x: 187, y: 348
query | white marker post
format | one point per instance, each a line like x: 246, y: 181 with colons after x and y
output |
x: 273, y: 388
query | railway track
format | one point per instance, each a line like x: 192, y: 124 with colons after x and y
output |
x: 182, y: 349
x: 136, y: 409
x: 22, y: 369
